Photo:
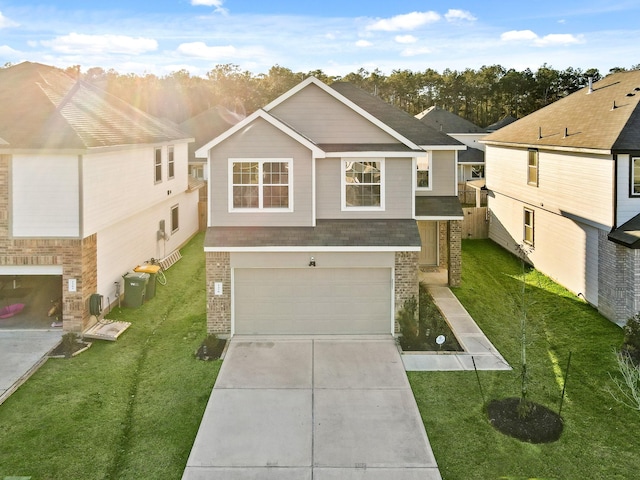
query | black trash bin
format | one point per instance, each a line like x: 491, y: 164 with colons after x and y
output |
x: 135, y: 285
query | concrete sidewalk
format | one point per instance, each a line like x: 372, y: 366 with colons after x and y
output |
x: 477, y: 347
x: 319, y: 407
x: 22, y: 352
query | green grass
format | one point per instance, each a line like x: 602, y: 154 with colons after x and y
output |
x: 600, y: 436
x: 128, y: 409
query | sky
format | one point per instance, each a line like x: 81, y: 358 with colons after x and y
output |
x: 334, y: 36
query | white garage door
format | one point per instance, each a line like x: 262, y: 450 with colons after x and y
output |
x: 312, y: 301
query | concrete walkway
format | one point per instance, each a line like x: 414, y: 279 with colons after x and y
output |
x: 22, y: 352
x: 302, y: 408
x: 477, y: 347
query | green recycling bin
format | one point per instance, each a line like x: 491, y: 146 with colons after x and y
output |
x: 135, y: 285
x: 152, y: 270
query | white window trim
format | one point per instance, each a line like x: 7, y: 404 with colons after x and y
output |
x: 157, y: 180
x: 343, y: 186
x: 532, y: 226
x: 175, y: 207
x: 415, y: 181
x: 260, y: 161
x: 171, y: 153
x: 631, y: 176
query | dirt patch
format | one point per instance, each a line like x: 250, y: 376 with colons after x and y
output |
x: 537, y: 424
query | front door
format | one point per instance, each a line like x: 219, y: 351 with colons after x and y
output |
x: 429, y: 237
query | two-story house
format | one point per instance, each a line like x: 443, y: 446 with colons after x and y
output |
x: 322, y: 206
x: 565, y: 183
x: 90, y: 187
x: 471, y: 160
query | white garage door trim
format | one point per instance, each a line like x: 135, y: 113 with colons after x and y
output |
x: 331, y: 301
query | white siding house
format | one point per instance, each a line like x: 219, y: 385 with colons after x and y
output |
x: 90, y: 179
x: 563, y: 182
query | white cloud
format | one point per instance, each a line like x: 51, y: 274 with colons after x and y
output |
x: 210, y: 3
x: 559, y: 39
x: 6, y: 23
x: 455, y: 15
x: 363, y: 43
x: 518, y: 35
x: 414, y: 52
x: 8, y: 51
x: 202, y: 50
x: 546, y: 41
x: 406, y: 39
x: 75, y: 43
x: 408, y: 21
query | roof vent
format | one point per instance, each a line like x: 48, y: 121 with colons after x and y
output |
x: 614, y: 105
x: 631, y: 94
x: 590, y: 85
x: 566, y: 132
x: 637, y: 89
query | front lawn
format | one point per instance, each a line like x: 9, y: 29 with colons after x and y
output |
x: 123, y: 410
x: 600, y: 437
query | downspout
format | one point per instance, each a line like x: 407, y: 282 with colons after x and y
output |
x: 615, y: 192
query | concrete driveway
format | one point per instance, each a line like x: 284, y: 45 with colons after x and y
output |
x: 22, y: 352
x: 312, y: 408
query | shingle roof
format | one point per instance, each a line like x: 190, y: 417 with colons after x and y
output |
x: 503, y: 122
x: 447, y: 122
x: 627, y: 234
x: 401, y: 233
x: 606, y: 119
x: 42, y: 107
x: 207, y: 125
x: 438, y: 207
x: 471, y: 155
x: 399, y: 120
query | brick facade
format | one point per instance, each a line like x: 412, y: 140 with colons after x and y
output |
x: 77, y: 258
x: 406, y: 280
x: 618, y: 280
x: 455, y: 252
x: 218, y: 306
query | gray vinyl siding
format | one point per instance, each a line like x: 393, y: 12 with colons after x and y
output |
x: 628, y: 206
x: 444, y: 174
x: 260, y: 140
x: 318, y: 115
x: 398, y: 191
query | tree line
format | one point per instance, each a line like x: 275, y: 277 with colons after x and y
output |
x: 482, y: 96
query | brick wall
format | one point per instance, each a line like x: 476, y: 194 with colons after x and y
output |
x: 406, y: 280
x: 218, y: 306
x: 455, y: 252
x: 78, y: 259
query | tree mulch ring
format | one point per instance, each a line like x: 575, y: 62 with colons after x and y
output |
x: 211, y: 349
x: 68, y: 350
x: 539, y: 425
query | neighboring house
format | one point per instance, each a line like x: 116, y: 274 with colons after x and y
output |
x: 503, y: 122
x: 471, y: 160
x: 565, y: 182
x: 87, y: 184
x: 318, y: 203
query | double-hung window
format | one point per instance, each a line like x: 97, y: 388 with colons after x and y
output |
x: 532, y: 167
x: 260, y: 184
x: 635, y: 176
x: 157, y: 165
x: 528, y: 227
x: 363, y: 184
x: 423, y: 174
x: 170, y: 163
x: 175, y: 218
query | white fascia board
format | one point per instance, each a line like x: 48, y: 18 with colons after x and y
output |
x: 440, y: 217
x: 443, y: 147
x: 373, y: 154
x: 341, y: 98
x: 311, y: 249
x: 31, y: 270
x: 203, y: 151
x: 594, y: 151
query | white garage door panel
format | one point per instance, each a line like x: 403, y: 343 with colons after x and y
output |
x: 312, y: 301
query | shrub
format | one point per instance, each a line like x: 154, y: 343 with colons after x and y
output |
x: 408, y: 325
x: 631, y: 344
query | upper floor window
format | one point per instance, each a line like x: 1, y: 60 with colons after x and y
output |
x: 158, y: 165
x: 170, y: 163
x: 635, y: 176
x: 528, y: 227
x: 363, y: 184
x: 532, y: 168
x: 260, y: 184
x: 423, y: 176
